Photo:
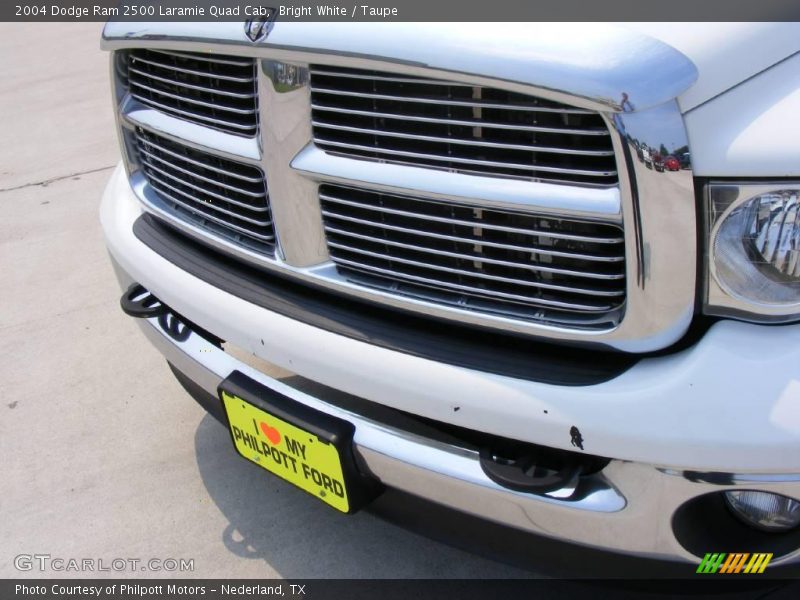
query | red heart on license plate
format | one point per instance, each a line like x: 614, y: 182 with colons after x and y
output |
x: 273, y: 435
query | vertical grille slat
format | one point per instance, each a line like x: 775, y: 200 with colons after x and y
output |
x: 458, y: 127
x: 212, y: 90
x: 218, y: 194
x: 551, y: 269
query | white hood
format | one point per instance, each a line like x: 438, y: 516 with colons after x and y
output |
x: 725, y: 54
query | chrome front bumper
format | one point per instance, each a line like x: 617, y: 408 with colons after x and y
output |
x: 678, y: 427
x: 626, y: 508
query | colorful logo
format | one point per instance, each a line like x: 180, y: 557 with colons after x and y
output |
x: 735, y: 562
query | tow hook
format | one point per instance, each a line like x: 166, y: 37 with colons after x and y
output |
x: 139, y: 303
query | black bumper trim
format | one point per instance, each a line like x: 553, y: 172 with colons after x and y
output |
x: 471, y: 348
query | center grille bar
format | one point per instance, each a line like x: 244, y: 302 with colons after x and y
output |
x: 536, y: 267
x: 224, y: 196
x: 212, y: 90
x: 458, y: 127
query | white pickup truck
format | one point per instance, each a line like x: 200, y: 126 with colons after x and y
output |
x: 450, y: 229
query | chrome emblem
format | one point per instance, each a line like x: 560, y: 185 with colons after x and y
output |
x: 257, y: 28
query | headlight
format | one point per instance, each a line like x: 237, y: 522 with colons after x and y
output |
x: 754, y: 251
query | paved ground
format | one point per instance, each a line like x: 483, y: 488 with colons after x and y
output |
x: 103, y: 455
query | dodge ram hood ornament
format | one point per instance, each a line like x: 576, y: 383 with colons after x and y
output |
x: 258, y: 27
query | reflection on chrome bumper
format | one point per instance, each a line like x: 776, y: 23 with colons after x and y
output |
x: 627, y: 508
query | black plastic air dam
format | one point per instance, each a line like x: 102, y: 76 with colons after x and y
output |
x: 471, y: 348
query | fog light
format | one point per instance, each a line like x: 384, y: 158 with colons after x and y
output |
x: 763, y: 510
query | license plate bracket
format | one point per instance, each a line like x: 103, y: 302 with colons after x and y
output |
x: 304, y: 446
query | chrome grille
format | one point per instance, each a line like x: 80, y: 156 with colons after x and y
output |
x: 212, y: 90
x: 458, y: 127
x: 469, y: 143
x: 530, y: 266
x: 224, y: 196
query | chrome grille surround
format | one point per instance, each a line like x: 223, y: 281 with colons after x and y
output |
x: 217, y: 91
x: 657, y: 220
x: 460, y: 127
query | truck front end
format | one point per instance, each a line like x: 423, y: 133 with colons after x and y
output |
x: 445, y: 254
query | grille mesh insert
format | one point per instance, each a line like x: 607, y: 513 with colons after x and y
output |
x: 212, y: 90
x: 221, y: 195
x: 529, y: 266
x: 458, y: 127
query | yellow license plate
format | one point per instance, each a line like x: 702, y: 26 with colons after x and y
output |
x: 285, y: 450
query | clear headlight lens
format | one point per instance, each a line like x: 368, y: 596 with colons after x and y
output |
x: 763, y: 510
x: 774, y: 232
x: 755, y: 251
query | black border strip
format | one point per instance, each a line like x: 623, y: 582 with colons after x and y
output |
x: 741, y: 587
